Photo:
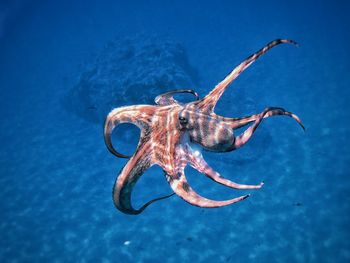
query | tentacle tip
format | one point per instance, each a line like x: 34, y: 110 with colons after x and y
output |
x: 302, y: 126
x: 259, y: 185
x: 246, y: 196
x: 291, y: 41
x: 295, y: 43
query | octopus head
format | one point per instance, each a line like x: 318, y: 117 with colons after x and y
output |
x: 207, y: 131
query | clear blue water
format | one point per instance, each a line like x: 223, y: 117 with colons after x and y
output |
x: 56, y: 175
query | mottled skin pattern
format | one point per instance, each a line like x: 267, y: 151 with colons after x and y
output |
x: 172, y: 133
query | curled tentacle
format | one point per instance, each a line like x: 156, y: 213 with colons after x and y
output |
x: 167, y: 98
x: 208, y: 102
x: 237, y: 123
x: 128, y: 177
x: 247, y: 134
x: 137, y: 115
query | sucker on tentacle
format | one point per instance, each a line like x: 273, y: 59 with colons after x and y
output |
x: 170, y: 132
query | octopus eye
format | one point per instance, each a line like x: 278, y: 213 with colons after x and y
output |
x: 183, y: 120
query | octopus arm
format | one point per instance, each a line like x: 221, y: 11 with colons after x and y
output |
x: 168, y: 99
x: 127, y: 179
x: 237, y: 123
x: 208, y: 103
x: 138, y: 115
x: 181, y: 187
x: 197, y: 162
x: 248, y: 133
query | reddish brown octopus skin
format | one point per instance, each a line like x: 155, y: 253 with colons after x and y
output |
x: 171, y: 133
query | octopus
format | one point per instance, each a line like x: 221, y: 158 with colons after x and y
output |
x: 172, y: 135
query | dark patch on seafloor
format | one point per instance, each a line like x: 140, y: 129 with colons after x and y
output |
x: 128, y: 71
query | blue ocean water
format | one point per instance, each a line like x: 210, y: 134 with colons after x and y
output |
x: 56, y: 174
